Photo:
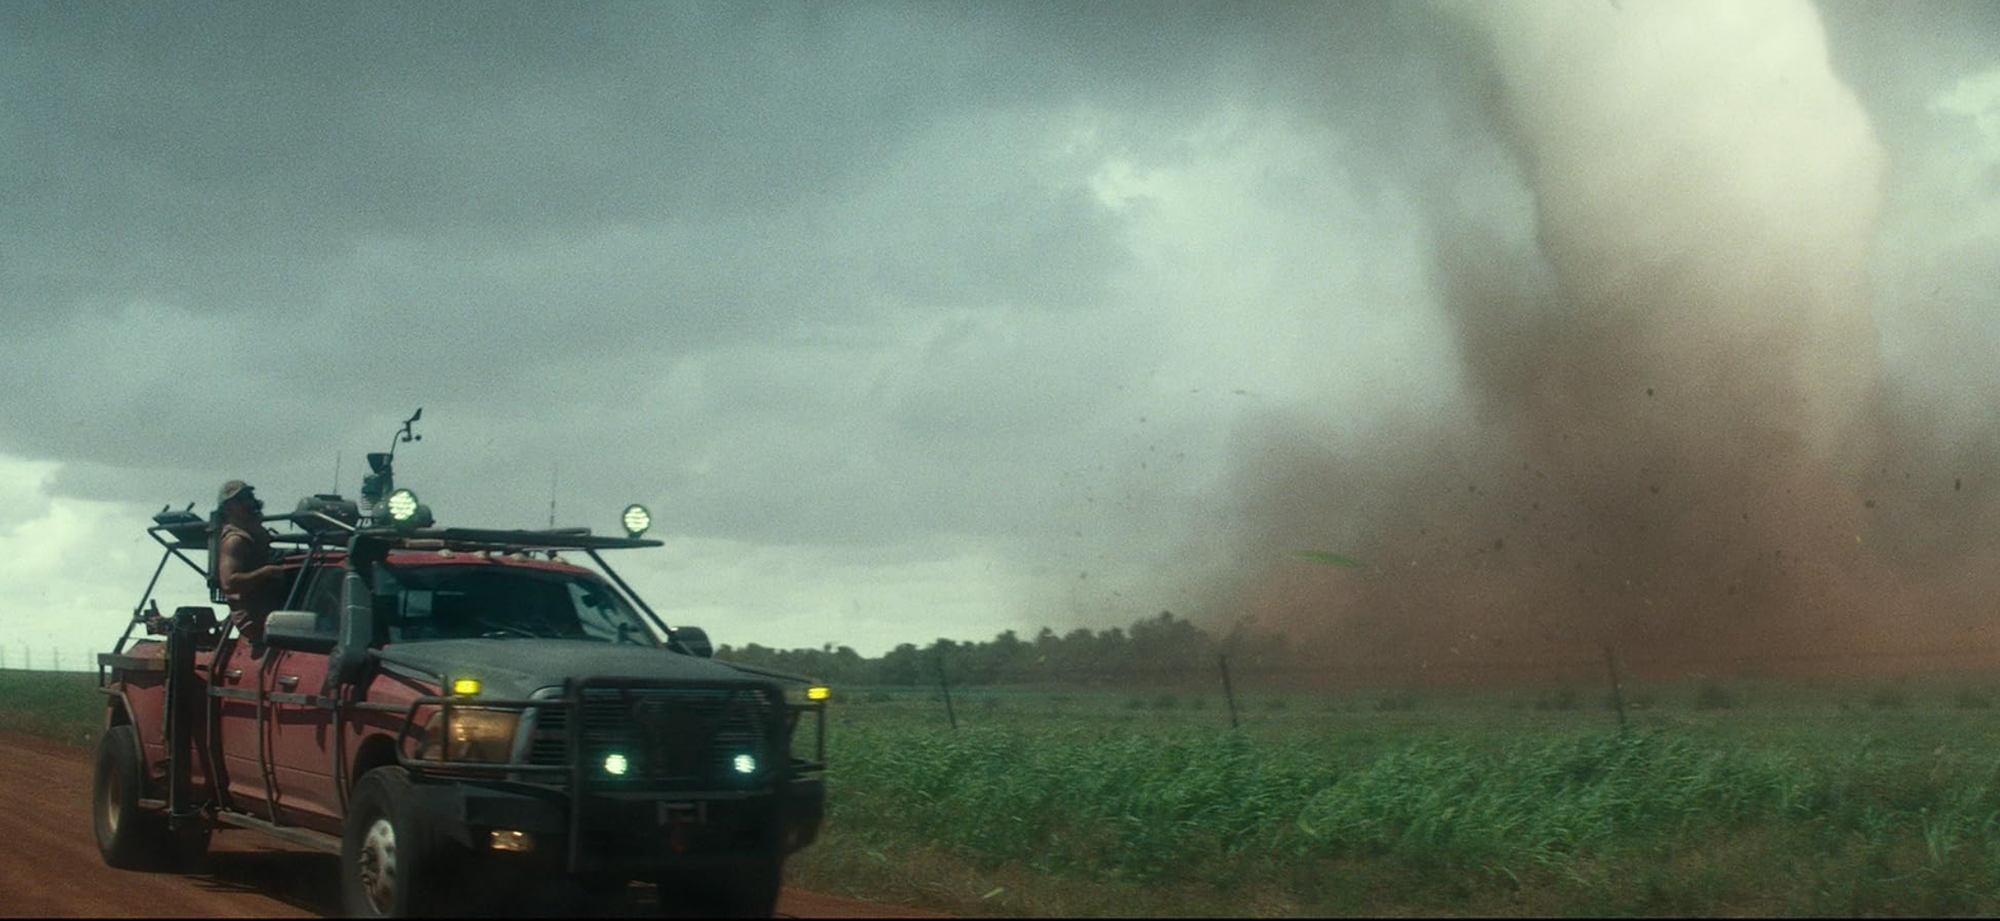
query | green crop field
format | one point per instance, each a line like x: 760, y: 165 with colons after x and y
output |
x: 1738, y: 797
x: 1747, y: 797
x: 57, y: 705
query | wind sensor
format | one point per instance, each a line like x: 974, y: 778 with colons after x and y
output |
x: 378, y: 488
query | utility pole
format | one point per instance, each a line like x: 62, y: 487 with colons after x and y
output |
x: 945, y: 686
x: 1228, y: 693
x: 1617, y: 686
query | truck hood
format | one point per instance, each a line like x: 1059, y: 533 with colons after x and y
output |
x: 516, y: 668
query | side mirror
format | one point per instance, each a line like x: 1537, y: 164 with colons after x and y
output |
x: 300, y: 631
x: 356, y: 628
x: 691, y: 640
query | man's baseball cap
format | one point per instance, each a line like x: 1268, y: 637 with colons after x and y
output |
x: 231, y: 490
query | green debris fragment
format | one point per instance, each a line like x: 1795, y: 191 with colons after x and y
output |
x: 1331, y: 559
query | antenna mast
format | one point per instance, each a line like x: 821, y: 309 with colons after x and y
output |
x: 336, y: 472
x: 552, y: 496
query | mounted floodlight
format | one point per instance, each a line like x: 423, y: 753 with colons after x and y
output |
x: 402, y: 505
x: 637, y: 519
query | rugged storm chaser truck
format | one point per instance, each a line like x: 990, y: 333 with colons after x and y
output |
x: 460, y: 714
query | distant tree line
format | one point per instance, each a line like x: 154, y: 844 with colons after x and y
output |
x: 1161, y: 649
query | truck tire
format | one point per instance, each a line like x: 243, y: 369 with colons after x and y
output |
x: 392, y: 862
x: 128, y: 837
x: 744, y: 892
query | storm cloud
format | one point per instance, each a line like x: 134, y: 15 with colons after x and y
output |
x: 927, y: 319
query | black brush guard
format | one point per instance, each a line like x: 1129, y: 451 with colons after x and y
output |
x: 679, y: 741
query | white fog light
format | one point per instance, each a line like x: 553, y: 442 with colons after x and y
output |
x: 745, y: 764
x: 615, y: 764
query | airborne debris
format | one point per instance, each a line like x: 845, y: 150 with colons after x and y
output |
x: 1331, y: 559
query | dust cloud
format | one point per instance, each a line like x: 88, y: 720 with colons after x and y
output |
x: 1678, y: 440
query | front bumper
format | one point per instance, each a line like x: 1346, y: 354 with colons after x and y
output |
x: 627, y: 834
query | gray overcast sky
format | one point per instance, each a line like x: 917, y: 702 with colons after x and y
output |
x: 907, y: 320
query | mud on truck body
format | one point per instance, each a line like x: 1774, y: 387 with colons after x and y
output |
x: 454, y: 711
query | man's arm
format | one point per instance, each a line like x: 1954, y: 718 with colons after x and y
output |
x: 232, y: 571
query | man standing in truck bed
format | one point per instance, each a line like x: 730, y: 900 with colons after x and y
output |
x: 243, y: 568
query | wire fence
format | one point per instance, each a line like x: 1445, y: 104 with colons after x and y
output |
x: 1223, y: 689
x: 1226, y: 697
x: 27, y: 657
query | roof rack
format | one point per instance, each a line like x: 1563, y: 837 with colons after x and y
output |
x: 492, y: 539
x: 189, y: 536
x: 188, y: 532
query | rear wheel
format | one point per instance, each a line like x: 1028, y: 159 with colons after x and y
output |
x: 128, y: 837
x: 744, y: 892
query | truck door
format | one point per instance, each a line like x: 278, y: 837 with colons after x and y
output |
x: 237, y: 727
x: 301, y: 728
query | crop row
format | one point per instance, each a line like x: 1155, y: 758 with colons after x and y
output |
x: 1201, y: 806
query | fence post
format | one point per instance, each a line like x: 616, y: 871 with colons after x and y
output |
x: 1228, y: 693
x: 1617, y: 686
x: 945, y: 686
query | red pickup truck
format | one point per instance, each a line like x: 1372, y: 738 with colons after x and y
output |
x: 460, y: 714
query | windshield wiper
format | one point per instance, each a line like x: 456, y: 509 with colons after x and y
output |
x: 501, y: 630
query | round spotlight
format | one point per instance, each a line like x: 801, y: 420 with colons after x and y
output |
x: 402, y: 505
x: 637, y: 519
x: 616, y: 765
x: 744, y: 764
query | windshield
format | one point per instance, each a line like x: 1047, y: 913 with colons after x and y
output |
x: 438, y: 602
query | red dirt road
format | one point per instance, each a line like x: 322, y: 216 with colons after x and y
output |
x: 49, y: 865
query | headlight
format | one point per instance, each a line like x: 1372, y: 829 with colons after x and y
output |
x: 402, y: 505
x: 475, y: 735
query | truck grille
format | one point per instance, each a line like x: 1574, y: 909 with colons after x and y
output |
x: 678, y: 737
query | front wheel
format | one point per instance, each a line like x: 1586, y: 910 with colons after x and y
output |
x: 744, y: 892
x: 391, y: 861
